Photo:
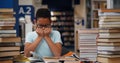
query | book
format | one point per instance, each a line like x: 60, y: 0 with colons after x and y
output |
x: 8, y: 19
x: 88, y: 50
x: 109, y: 30
x: 109, y: 35
x: 9, y: 53
x: 87, y: 47
x: 88, y: 54
x: 109, y: 48
x: 109, y: 26
x: 6, y: 9
x: 108, y: 56
x: 10, y: 39
x: 6, y: 61
x: 6, y: 14
x: 110, y: 17
x: 108, y: 14
x: 87, y: 36
x: 108, y: 40
x: 88, y: 31
x: 109, y: 52
x: 7, y: 24
x: 108, y: 60
x: 14, y: 48
x: 10, y: 44
x: 8, y: 35
x: 109, y: 20
x: 6, y: 27
x: 108, y: 44
x: 7, y: 31
x: 109, y: 10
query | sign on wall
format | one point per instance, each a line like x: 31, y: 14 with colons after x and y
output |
x: 26, y: 10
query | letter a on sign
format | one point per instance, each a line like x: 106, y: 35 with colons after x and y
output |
x: 21, y: 11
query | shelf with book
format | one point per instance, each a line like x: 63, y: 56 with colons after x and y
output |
x: 63, y: 21
x: 96, y: 5
x: 88, y: 14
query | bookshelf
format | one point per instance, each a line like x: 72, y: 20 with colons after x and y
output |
x: 63, y: 21
x: 88, y: 13
x: 96, y: 5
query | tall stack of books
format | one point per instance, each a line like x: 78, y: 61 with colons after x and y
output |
x: 87, y: 44
x: 9, y: 42
x: 109, y: 36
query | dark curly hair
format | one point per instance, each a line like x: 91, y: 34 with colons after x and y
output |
x: 43, y: 13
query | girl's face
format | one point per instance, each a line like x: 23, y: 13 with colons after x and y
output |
x: 43, y: 22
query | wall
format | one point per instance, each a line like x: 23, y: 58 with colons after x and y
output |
x: 79, y: 10
x: 79, y: 13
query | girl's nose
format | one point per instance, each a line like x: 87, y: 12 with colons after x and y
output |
x: 43, y: 27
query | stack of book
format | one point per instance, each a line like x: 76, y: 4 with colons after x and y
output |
x: 9, y: 42
x: 87, y: 44
x: 109, y: 36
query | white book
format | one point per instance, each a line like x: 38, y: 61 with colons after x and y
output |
x: 7, y: 31
x: 109, y: 26
x: 109, y: 36
x: 87, y: 36
x: 87, y: 44
x: 109, y: 23
x: 88, y: 50
x: 109, y: 48
x: 108, y: 40
x: 88, y: 59
x: 109, y: 14
x: 109, y: 20
x: 109, y: 17
x: 88, y: 55
x: 8, y: 35
x: 108, y: 52
x: 109, y: 56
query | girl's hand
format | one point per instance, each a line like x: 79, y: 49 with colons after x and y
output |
x: 47, y: 31
x: 40, y: 32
